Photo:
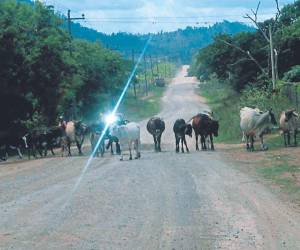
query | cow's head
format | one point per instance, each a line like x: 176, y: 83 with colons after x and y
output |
x: 289, y: 114
x: 272, y: 117
x: 188, y: 130
x: 215, y: 128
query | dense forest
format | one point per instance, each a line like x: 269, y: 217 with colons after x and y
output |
x: 42, y: 75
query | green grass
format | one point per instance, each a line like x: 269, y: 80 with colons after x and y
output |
x: 143, y: 107
x: 224, y: 104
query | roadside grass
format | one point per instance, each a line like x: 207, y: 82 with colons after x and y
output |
x: 224, y: 104
x: 282, y: 173
x: 143, y: 107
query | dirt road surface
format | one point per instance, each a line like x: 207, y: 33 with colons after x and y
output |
x: 162, y: 201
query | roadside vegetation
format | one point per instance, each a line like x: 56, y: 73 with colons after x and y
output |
x: 231, y: 80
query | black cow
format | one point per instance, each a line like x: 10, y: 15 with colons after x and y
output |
x: 156, y: 126
x: 181, y: 128
x: 44, y: 140
x: 10, y: 140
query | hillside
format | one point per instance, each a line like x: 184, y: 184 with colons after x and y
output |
x: 180, y: 44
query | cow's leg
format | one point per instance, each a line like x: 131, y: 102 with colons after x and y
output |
x: 284, y: 138
x: 289, y: 138
x: 177, y: 143
x: 118, y: 148
x: 263, y: 146
x: 69, y: 148
x: 155, y: 143
x: 197, y: 146
x: 184, y: 140
x: 19, y: 152
x: 203, y: 144
x: 251, y: 143
x: 182, y: 149
x: 109, y: 145
x: 159, y: 141
x: 247, y: 142
x: 45, y: 150
x: 295, y: 137
x: 51, y: 149
x: 78, y: 144
x: 130, y: 153
x: 212, y: 142
x: 138, y: 154
x: 102, y: 145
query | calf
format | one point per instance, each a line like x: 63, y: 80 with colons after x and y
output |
x: 11, y: 141
x: 288, y: 124
x: 127, y: 134
x: 96, y: 131
x: 156, y: 126
x: 181, y: 128
x: 204, y: 125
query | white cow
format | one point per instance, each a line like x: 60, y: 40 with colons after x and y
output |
x: 127, y: 134
x: 254, y: 122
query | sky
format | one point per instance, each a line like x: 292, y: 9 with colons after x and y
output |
x: 142, y: 16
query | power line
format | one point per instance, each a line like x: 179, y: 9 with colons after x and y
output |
x: 158, y: 22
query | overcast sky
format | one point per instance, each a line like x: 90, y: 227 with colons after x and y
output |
x: 141, y: 16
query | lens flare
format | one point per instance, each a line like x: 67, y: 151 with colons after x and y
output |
x: 112, y: 115
x: 110, y: 119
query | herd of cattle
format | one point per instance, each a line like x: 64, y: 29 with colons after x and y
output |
x: 126, y: 135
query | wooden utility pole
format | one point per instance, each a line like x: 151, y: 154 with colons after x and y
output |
x: 157, y: 67
x: 145, y: 72
x: 70, y: 28
x: 134, y: 80
x: 165, y: 67
x: 152, y: 72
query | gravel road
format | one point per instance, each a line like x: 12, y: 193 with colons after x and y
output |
x: 162, y: 201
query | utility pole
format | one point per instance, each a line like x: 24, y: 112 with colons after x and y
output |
x: 134, y: 81
x: 272, y: 57
x: 165, y: 67
x: 145, y: 72
x: 157, y: 67
x: 69, y: 27
x: 151, y: 65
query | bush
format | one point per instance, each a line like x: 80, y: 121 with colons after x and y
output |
x: 293, y: 75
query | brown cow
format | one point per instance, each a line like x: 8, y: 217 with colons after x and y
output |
x: 204, y: 125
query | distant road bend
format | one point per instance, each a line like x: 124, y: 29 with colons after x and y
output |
x: 162, y: 201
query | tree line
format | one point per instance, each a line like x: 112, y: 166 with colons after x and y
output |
x: 243, y: 60
x: 39, y: 77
